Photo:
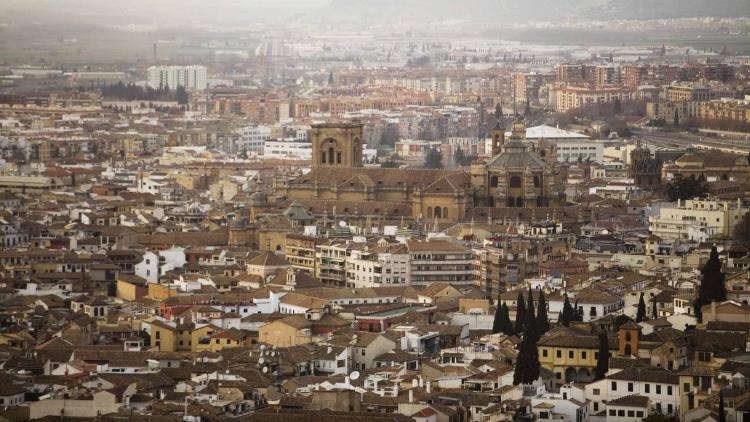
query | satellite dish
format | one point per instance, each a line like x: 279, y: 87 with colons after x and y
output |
x: 273, y: 353
x: 342, y: 223
x: 265, y: 369
x: 261, y: 361
x: 262, y: 347
x: 354, y: 376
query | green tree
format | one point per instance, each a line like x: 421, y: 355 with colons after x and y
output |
x: 530, y: 317
x: 641, y: 314
x: 181, y: 95
x: 686, y: 188
x: 654, y: 312
x: 459, y: 157
x: 676, y: 119
x: 542, y: 322
x: 433, y: 159
x: 146, y: 337
x: 501, y: 314
x: 602, y: 357
x: 520, y: 313
x: 527, y: 365
x: 712, y: 286
x: 617, y: 106
x: 566, y: 316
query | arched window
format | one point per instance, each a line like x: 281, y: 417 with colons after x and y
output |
x: 627, y: 336
x: 511, y: 202
x: 493, y: 181
x: 330, y: 155
x: 628, y: 350
x: 519, y: 202
x: 323, y: 157
x: 445, y: 212
x: 438, y: 212
x: 515, y: 181
x: 429, y: 212
x: 338, y: 158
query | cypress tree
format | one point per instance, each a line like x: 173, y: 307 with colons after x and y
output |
x: 567, y: 313
x: 527, y: 366
x: 542, y: 322
x: 497, y: 323
x: 722, y: 411
x: 712, y: 286
x: 520, y: 313
x: 654, y: 313
x: 602, y: 358
x: 530, y: 317
x: 506, y: 325
x: 641, y: 315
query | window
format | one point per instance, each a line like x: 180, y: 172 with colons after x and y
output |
x: 612, y: 412
x: 571, y: 354
x: 639, y: 413
x: 630, y: 387
x: 583, y: 355
x: 669, y: 390
x: 658, y: 389
x: 559, y: 353
x: 631, y: 413
x: 515, y: 182
x: 544, y: 353
x: 621, y: 412
x: 686, y: 387
x: 596, y: 391
x: 647, y: 388
x: 614, y: 386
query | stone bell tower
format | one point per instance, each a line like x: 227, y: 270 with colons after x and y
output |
x: 337, y: 145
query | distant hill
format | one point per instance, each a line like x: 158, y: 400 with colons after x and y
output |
x: 475, y: 10
x: 526, y: 10
x: 646, y: 9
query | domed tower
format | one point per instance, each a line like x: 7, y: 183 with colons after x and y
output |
x: 643, y: 169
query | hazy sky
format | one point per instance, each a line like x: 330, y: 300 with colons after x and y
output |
x: 158, y: 11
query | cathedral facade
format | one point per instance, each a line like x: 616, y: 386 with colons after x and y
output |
x: 516, y: 176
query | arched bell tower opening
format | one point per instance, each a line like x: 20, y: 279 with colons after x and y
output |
x: 337, y: 145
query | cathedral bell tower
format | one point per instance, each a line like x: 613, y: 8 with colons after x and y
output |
x: 337, y: 145
x: 498, y: 139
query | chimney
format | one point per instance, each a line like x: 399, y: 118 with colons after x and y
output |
x: 429, y: 387
x: 411, y: 396
x: 346, y: 380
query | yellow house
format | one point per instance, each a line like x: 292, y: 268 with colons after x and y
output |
x: 227, y: 339
x: 295, y: 330
x: 286, y: 332
x: 160, y: 291
x: 131, y: 287
x: 200, y: 337
x: 570, y: 353
x: 163, y: 336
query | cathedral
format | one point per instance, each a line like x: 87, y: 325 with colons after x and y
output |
x: 644, y: 169
x: 518, y: 175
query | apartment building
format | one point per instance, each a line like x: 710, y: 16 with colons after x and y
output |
x: 440, y: 261
x: 688, y: 219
